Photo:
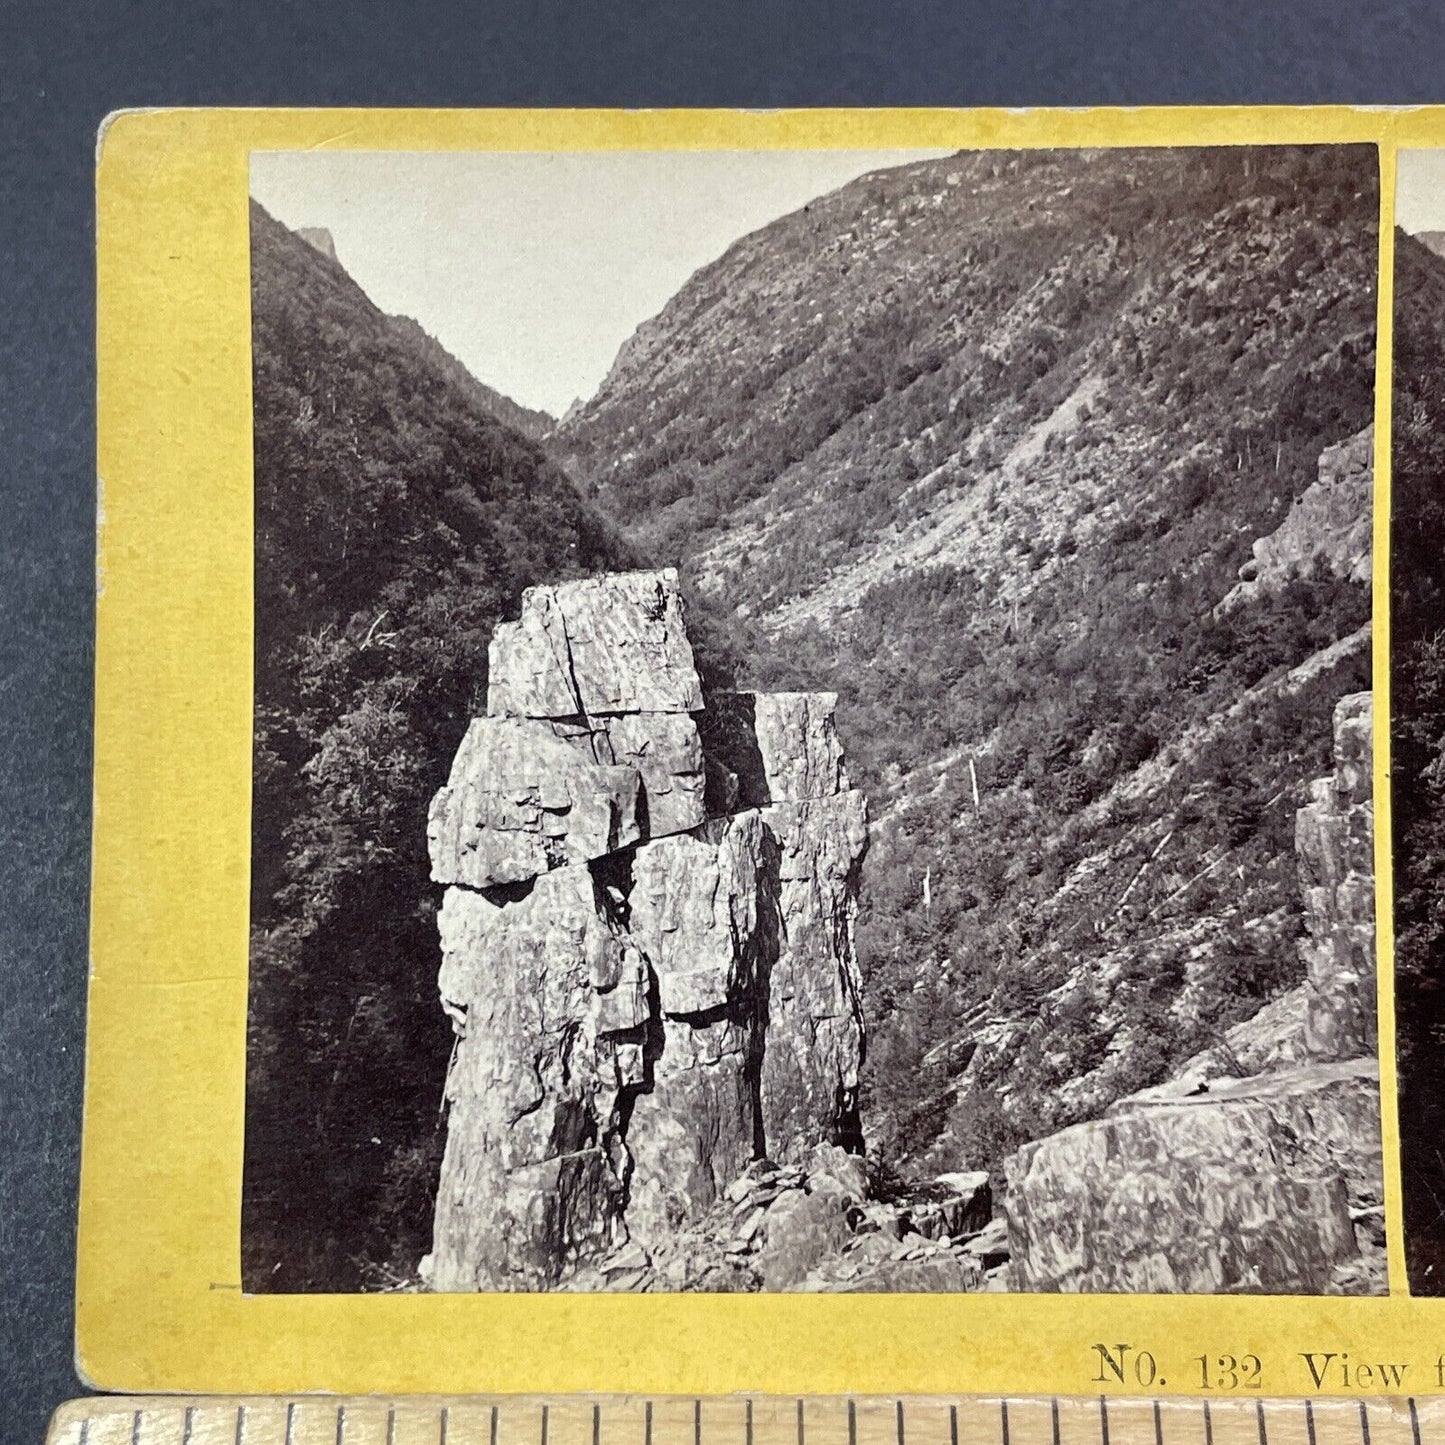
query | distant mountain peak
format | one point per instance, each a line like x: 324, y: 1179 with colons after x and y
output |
x: 320, y: 238
x: 1433, y: 240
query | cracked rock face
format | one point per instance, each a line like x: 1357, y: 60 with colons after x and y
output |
x: 1221, y: 1193
x: 521, y: 800
x: 611, y: 644
x: 647, y: 943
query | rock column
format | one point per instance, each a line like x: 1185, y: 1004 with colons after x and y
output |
x: 647, y: 953
x: 1335, y: 846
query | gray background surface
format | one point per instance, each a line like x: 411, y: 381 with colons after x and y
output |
x: 64, y: 65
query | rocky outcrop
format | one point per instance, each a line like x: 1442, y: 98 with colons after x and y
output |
x: 1329, y: 526
x: 1242, y: 1189
x: 522, y: 800
x: 647, y: 999
x: 1335, y: 846
x: 599, y: 647
x: 814, y: 1226
x: 1270, y: 1183
x: 320, y: 238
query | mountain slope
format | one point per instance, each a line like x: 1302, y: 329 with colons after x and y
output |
x: 530, y: 423
x: 397, y: 519
x: 983, y: 443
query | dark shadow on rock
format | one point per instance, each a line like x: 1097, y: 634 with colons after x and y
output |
x: 735, y: 776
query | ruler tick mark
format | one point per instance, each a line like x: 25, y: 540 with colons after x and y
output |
x: 852, y: 1422
x: 1364, y: 1424
x: 697, y: 1422
x: 1310, y: 1421
x: 84, y: 1430
x: 1103, y: 1420
x: 1003, y: 1420
x: 1158, y: 1426
x: 1414, y: 1421
x: 446, y: 1422
x: 1259, y: 1417
x: 1208, y: 1425
x: 750, y: 1424
x: 900, y: 1422
x: 340, y: 1425
x: 953, y: 1425
x: 290, y: 1421
x: 800, y: 1424
x: 1053, y: 1419
x: 596, y: 1425
x: 647, y: 1419
x: 188, y: 1425
x: 240, y: 1425
x: 391, y: 1425
x: 494, y: 1426
x: 135, y: 1429
x: 544, y: 1425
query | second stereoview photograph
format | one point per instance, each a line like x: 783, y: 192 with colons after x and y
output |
x: 812, y: 722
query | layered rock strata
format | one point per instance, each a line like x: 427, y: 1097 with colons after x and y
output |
x: 1271, y: 1183
x: 647, y: 952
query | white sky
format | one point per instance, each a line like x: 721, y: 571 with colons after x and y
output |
x: 1420, y: 191
x: 532, y: 268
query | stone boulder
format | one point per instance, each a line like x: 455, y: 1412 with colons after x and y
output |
x: 802, y: 1229
x: 521, y: 801
x: 609, y: 644
x: 954, y: 1204
x: 1244, y: 1189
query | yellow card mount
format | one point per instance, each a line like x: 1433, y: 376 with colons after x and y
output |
x: 738, y: 1420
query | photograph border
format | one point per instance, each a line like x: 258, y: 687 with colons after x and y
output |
x: 159, y: 1299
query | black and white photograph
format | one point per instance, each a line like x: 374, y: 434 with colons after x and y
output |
x: 813, y: 720
x: 1417, y: 703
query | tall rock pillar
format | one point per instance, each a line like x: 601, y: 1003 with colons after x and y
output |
x: 647, y: 943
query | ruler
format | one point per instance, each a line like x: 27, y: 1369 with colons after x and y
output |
x: 739, y: 1420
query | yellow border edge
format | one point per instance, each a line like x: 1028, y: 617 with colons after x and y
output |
x: 158, y: 1303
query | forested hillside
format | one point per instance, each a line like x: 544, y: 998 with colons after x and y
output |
x: 396, y: 521
x: 1417, y: 599
x: 983, y: 443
